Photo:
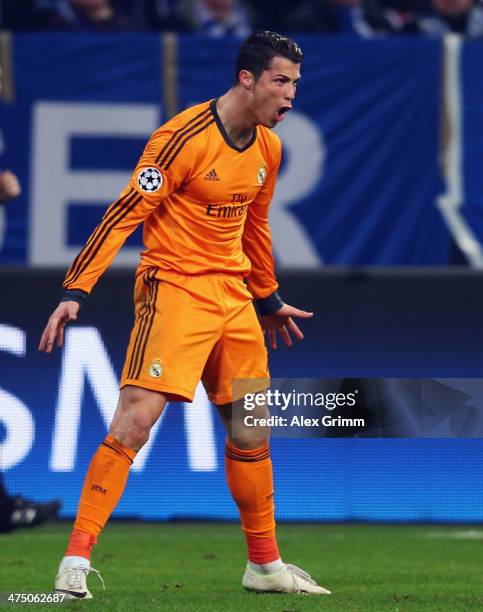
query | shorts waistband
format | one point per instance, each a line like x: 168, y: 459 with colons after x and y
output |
x: 163, y: 273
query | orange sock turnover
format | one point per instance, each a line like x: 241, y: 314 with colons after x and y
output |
x: 250, y: 479
x: 103, y: 487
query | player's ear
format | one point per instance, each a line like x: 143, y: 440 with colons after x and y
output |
x: 246, y: 79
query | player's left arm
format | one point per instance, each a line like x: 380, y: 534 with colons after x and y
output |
x: 275, y: 315
x: 282, y: 322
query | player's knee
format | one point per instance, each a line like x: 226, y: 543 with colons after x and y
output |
x: 250, y: 440
x: 135, y: 416
x: 141, y: 423
x: 132, y: 427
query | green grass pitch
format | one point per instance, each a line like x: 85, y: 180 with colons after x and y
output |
x: 198, y: 567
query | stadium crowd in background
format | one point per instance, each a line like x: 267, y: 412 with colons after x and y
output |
x: 216, y: 18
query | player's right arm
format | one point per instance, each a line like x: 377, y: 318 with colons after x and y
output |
x: 54, y: 330
x: 152, y: 181
x: 155, y: 177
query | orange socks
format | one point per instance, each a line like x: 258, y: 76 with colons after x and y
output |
x: 250, y: 479
x: 103, y: 487
x: 249, y: 475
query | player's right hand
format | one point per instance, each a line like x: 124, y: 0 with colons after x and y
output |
x: 54, y: 330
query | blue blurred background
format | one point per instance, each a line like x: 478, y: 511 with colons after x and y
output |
x: 376, y: 225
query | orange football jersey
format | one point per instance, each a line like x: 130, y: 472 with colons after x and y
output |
x: 204, y: 203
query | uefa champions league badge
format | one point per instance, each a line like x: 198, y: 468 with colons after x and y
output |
x: 150, y: 180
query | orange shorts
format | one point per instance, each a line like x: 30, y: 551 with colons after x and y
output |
x: 192, y: 328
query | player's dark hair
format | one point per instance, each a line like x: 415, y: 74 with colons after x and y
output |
x: 259, y: 48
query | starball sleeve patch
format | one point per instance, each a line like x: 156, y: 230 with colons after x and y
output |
x: 150, y: 179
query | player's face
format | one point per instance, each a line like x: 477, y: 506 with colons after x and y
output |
x: 274, y: 91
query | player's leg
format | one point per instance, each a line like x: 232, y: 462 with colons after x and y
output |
x: 250, y: 480
x: 138, y: 408
x: 137, y: 411
x: 241, y: 354
x: 164, y: 361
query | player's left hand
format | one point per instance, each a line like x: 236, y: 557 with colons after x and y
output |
x: 283, y: 323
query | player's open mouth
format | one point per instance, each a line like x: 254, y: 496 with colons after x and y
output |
x: 281, y: 112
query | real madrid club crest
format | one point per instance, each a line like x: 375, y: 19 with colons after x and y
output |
x: 262, y: 175
x: 156, y: 368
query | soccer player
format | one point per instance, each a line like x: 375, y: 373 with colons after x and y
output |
x: 202, y: 187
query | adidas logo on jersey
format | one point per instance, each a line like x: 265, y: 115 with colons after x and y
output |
x: 211, y: 176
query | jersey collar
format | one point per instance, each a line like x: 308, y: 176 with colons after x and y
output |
x: 224, y: 133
